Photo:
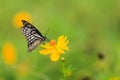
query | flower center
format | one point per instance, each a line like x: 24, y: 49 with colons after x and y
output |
x: 52, y: 42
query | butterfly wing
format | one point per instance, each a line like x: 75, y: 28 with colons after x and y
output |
x: 33, y: 36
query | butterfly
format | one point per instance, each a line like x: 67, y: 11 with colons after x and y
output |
x: 33, y: 36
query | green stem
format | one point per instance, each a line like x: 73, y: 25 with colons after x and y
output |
x: 64, y: 71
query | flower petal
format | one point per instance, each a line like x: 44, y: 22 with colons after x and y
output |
x: 46, y: 45
x: 61, y: 40
x: 65, y: 47
x: 54, y: 56
x: 61, y: 51
x: 45, y: 52
x: 48, y: 50
x: 62, y: 43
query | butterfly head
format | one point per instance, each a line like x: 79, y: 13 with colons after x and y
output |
x: 44, y: 38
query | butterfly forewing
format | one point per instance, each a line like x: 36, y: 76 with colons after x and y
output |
x: 33, y: 36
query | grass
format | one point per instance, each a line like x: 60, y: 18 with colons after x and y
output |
x: 91, y: 26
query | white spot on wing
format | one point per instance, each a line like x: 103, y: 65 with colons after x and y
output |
x: 37, y: 35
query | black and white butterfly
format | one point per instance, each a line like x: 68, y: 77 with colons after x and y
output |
x: 33, y: 36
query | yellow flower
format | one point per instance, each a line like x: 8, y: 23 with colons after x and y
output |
x: 55, y: 49
x: 21, y: 16
x: 114, y: 78
x: 9, y: 53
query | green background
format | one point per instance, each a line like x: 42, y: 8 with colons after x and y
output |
x: 92, y: 27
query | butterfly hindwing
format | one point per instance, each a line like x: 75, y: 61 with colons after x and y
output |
x: 33, y: 36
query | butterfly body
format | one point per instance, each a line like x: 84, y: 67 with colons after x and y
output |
x: 33, y: 36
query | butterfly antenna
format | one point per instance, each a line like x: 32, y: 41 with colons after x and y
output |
x: 46, y: 34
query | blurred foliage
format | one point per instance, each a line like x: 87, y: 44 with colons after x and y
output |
x: 92, y: 26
